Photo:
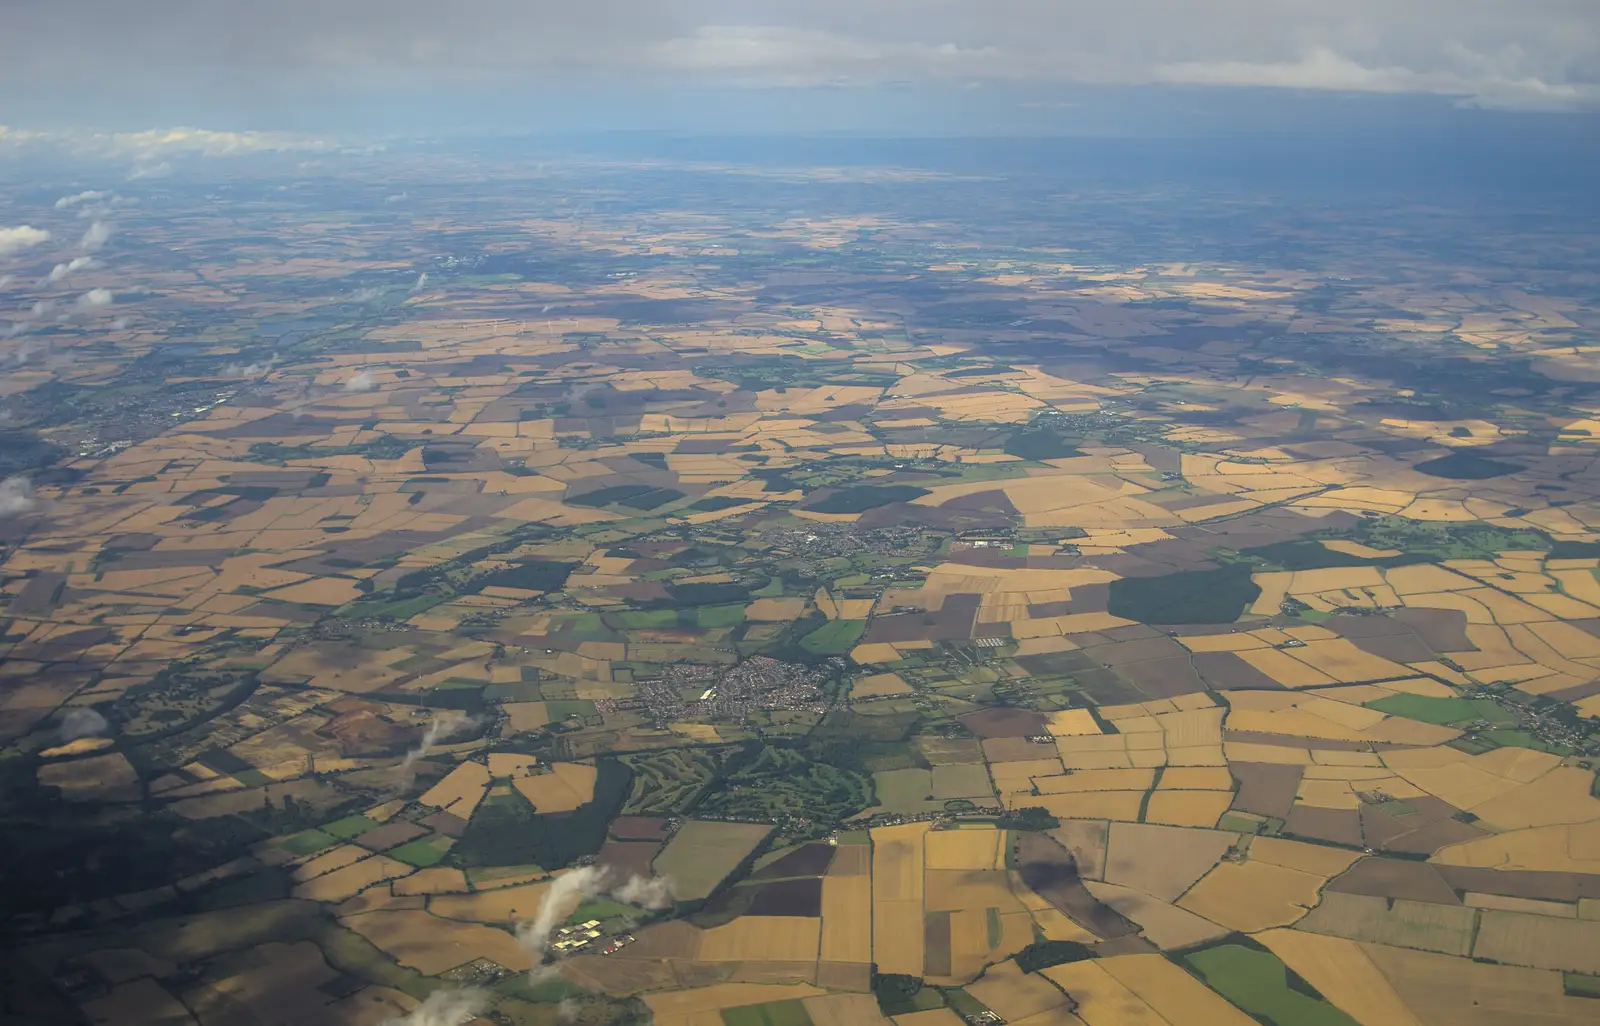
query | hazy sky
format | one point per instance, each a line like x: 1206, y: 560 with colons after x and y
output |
x: 291, y: 63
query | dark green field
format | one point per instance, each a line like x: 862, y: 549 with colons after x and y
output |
x: 1255, y: 980
x: 860, y: 498
x: 834, y: 637
x: 1197, y: 596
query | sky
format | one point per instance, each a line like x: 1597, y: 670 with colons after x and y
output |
x: 950, y: 66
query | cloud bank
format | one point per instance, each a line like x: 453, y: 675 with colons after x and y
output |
x: 1516, y: 53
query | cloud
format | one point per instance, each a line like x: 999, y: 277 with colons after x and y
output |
x: 447, y: 1007
x: 88, y: 196
x: 443, y: 726
x: 97, y: 236
x: 81, y: 722
x: 16, y: 496
x: 645, y: 892
x: 571, y: 889
x: 361, y: 381
x: 422, y: 279
x: 95, y: 299
x: 15, y: 240
x: 247, y: 370
x: 1322, y: 69
x: 561, y: 900
x: 60, y: 271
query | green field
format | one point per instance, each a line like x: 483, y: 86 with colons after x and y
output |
x: 1257, y: 982
x: 834, y: 637
x: 670, y: 781
x: 860, y: 498
x: 636, y: 619
x: 720, y: 616
x: 784, y: 782
x: 307, y: 841
x: 774, y: 1013
x: 422, y: 853
x: 1444, y: 710
x: 348, y: 827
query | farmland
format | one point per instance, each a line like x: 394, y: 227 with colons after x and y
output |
x: 864, y: 597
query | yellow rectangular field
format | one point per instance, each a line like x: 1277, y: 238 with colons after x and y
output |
x: 846, y: 919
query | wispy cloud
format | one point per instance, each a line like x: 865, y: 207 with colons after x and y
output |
x: 97, y: 236
x: 449, y: 1006
x: 361, y: 381
x: 95, y: 299
x: 87, y: 196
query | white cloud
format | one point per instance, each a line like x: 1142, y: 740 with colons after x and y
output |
x: 15, y: 240
x: 81, y: 722
x: 1323, y: 69
x: 16, y: 496
x: 284, y: 53
x: 449, y: 1006
x: 95, y: 299
x: 361, y: 381
x: 87, y: 196
x: 97, y: 236
x: 60, y: 271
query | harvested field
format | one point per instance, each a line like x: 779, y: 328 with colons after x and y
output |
x: 725, y: 995
x: 142, y: 1002
x: 807, y: 860
x: 1446, y: 991
x: 1340, y: 826
x: 974, y: 849
x: 1542, y: 942
x: 501, y: 905
x: 1396, y: 878
x: 460, y: 791
x: 786, y: 939
x: 567, y: 786
x: 844, y: 1010
x: 1187, y: 808
x: 639, y: 828
x: 950, y: 751
x: 1162, y: 924
x: 962, y: 780
x: 993, y: 723
x: 879, y: 685
x: 391, y: 835
x: 851, y: 860
x: 1172, y: 993
x: 1251, y: 896
x: 628, y: 858
x: 431, y: 945
x: 1266, y: 789
x: 799, y: 897
x: 1050, y: 872
x: 1446, y: 929
x: 343, y: 883
x: 1345, y: 974
x: 701, y: 854
x: 1162, y: 861
x: 903, y: 790
x: 846, y: 919
x: 948, y: 890
x: 1087, y: 843
x: 437, y: 880
x: 1016, y: 996
x: 897, y: 919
